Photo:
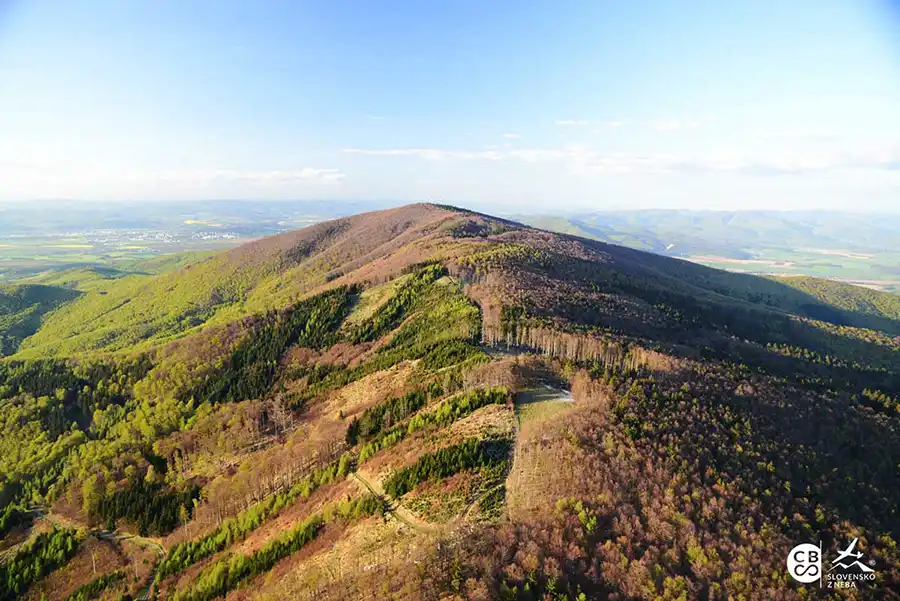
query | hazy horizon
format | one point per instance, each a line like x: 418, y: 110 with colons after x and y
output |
x: 501, y: 209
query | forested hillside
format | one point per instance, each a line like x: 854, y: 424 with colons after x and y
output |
x: 21, y: 311
x: 429, y: 403
x: 850, y: 298
x: 840, y: 246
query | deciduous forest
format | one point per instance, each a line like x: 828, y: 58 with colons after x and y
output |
x: 430, y: 403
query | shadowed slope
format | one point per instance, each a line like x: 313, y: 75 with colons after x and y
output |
x: 21, y: 311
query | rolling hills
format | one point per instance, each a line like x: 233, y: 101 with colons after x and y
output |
x: 431, y: 403
x: 850, y: 247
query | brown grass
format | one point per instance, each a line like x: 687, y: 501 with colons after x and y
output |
x: 493, y: 420
x: 108, y: 557
x: 269, y: 530
x: 294, y: 515
x: 355, y: 398
x: 370, y: 545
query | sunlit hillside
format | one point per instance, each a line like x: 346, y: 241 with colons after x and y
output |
x: 431, y: 403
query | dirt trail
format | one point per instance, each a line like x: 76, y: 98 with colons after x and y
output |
x: 148, y: 543
x: 153, y: 544
x: 474, y: 505
x: 397, y: 510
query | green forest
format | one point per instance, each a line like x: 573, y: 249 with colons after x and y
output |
x: 38, y: 558
x: 430, y: 403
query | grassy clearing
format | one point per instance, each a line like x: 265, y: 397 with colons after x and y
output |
x: 372, y: 544
x: 538, y: 412
x: 541, y: 403
x: 373, y: 299
x: 370, y: 390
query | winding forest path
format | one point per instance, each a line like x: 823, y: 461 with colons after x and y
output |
x: 153, y: 544
x: 141, y: 541
x: 397, y: 510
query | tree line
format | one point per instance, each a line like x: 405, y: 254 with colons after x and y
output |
x: 385, y: 415
x: 184, y: 555
x: 468, y: 455
x: 229, y: 572
x: 150, y: 506
x: 449, y: 411
x: 253, y: 365
x: 48, y: 551
x: 10, y: 517
x: 389, y: 315
x: 96, y: 587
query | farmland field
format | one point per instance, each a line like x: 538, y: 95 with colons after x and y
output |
x: 39, y: 239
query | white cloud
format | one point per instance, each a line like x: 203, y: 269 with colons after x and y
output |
x: 308, y: 174
x: 667, y: 125
x: 572, y: 122
x: 586, y: 161
x: 794, y: 164
x: 537, y: 155
x: 605, y: 126
x: 325, y: 175
x: 512, y: 136
x: 111, y: 182
x: 429, y: 154
x: 675, y: 125
x: 800, y: 134
x: 121, y: 181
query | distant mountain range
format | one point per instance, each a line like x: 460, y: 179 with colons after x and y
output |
x: 733, y: 233
x: 854, y: 247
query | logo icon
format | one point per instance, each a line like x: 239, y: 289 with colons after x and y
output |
x: 847, y: 570
x: 847, y: 554
x: 804, y: 563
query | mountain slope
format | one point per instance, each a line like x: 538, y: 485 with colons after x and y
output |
x: 268, y: 273
x: 729, y: 233
x: 94, y: 277
x: 862, y: 301
x: 21, y: 310
x: 429, y: 403
x: 847, y: 247
x: 276, y: 271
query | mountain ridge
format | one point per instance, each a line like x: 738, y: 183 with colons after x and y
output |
x: 276, y: 270
x: 429, y: 403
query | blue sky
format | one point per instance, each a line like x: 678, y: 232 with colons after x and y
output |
x: 529, y: 105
